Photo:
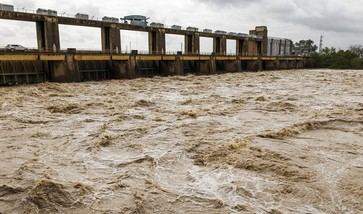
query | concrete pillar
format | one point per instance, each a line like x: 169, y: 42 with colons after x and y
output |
x: 220, y: 45
x: 285, y: 48
x: 262, y: 31
x: 192, y: 43
x: 252, y: 47
x: 132, y: 65
x: 64, y: 71
x: 257, y: 47
x: 48, y: 34
x: 241, y: 47
x: 111, y: 39
x: 281, y: 48
x: 157, y: 41
x: 213, y: 65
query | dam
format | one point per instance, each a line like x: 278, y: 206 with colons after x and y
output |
x: 254, y: 51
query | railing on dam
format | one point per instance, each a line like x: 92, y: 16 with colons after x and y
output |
x: 142, y: 56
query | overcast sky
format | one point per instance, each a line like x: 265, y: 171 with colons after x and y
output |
x: 340, y: 21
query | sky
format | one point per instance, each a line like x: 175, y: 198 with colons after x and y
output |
x: 339, y: 21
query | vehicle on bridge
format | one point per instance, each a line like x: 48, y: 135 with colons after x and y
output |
x: 15, y: 48
x: 6, y: 7
x: 136, y: 20
x: 46, y: 12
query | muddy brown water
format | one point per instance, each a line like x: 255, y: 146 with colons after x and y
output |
x: 267, y: 142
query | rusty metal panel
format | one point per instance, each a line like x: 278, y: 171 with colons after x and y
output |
x: 169, y: 58
x: 269, y: 58
x: 226, y: 58
x: 19, y: 57
x: 120, y: 57
x: 45, y: 57
x: 249, y: 58
x: 22, y: 72
x: 149, y: 58
x: 186, y: 58
x: 79, y: 57
x: 204, y: 58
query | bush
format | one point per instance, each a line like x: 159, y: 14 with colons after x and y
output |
x: 330, y: 58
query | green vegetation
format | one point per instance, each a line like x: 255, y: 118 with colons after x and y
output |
x: 330, y: 57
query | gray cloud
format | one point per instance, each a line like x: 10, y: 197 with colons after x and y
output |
x: 229, y: 2
x: 340, y: 21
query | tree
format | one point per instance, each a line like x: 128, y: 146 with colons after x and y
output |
x: 305, y: 47
x: 329, y: 51
x: 342, y: 59
x: 357, y: 49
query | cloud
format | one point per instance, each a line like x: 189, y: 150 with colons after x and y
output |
x: 230, y: 2
x: 340, y: 21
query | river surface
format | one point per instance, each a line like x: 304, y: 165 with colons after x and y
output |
x: 268, y: 142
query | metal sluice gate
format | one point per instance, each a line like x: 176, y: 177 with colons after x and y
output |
x: 21, y: 72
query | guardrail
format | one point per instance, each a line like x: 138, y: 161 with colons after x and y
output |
x: 105, y: 53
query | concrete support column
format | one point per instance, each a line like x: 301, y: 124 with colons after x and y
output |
x: 48, y: 34
x: 262, y: 31
x: 220, y: 45
x: 132, y: 65
x: 157, y: 41
x: 64, y: 71
x: 241, y: 47
x: 252, y: 47
x: 213, y: 65
x: 284, y: 47
x: 192, y: 43
x: 111, y: 39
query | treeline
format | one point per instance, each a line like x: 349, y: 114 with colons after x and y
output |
x: 331, y: 58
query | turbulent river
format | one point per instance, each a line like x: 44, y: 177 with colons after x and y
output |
x: 268, y: 142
